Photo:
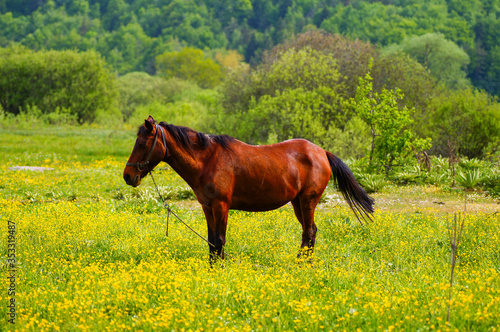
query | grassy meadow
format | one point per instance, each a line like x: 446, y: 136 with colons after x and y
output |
x: 92, y: 253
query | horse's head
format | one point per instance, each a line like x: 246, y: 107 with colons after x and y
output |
x: 148, y: 151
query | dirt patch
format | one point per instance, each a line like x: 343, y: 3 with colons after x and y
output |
x: 30, y: 168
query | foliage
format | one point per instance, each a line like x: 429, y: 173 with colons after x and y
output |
x: 445, y: 59
x: 230, y: 59
x: 372, y: 183
x: 400, y: 71
x: 130, y: 34
x: 75, y: 83
x: 140, y: 89
x: 392, y: 139
x: 407, y: 175
x: 198, y: 110
x: 470, y: 178
x: 469, y: 118
x: 352, y: 56
x: 243, y: 90
x: 492, y: 182
x: 351, y: 142
x: 485, y: 56
x: 470, y: 164
x: 32, y: 116
x: 296, y: 96
x: 189, y: 64
x: 389, y: 23
x: 436, y: 178
x: 389, y: 70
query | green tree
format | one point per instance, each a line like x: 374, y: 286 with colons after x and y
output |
x: 392, y: 139
x: 244, y: 90
x: 250, y: 27
x: 468, y: 118
x: 126, y: 48
x: 140, y: 89
x: 12, y: 29
x: 78, y: 83
x: 116, y: 15
x: 190, y: 22
x: 445, y: 59
x: 353, y: 56
x: 485, y: 60
x: 296, y: 96
x: 189, y: 64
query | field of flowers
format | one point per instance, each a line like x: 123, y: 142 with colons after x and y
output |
x: 92, y: 254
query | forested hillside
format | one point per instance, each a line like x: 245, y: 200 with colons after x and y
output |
x: 131, y: 33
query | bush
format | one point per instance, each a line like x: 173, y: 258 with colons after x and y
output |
x: 436, y: 178
x: 297, y: 96
x: 140, y: 89
x: 32, y: 116
x: 470, y: 164
x: 352, y: 142
x: 492, y: 182
x: 468, y: 118
x: 372, y: 182
x: 75, y: 83
x: 189, y: 64
x: 393, y: 138
x: 266, y: 90
x: 407, y: 175
x: 470, y: 178
x: 445, y: 59
x: 390, y: 70
x: 190, y: 114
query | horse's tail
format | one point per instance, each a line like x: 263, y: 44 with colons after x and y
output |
x: 357, y: 198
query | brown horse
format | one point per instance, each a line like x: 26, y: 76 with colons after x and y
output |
x: 225, y: 174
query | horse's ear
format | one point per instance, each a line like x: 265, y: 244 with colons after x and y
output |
x: 149, y: 123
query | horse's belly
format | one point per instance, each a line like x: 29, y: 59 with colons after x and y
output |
x: 262, y: 197
x: 256, y: 206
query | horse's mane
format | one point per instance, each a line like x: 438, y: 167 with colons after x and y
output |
x: 181, y: 136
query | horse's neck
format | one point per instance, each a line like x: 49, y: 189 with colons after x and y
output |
x: 188, y: 165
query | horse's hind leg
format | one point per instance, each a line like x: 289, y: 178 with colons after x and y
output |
x: 304, y: 207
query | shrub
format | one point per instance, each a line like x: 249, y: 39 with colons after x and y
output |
x: 189, y: 64
x: 492, y: 182
x: 468, y: 118
x: 435, y: 178
x: 470, y: 164
x: 140, y: 89
x: 79, y: 83
x: 408, y: 175
x: 470, y: 178
x: 372, y: 182
x: 183, y: 113
x: 392, y: 136
x: 297, y: 96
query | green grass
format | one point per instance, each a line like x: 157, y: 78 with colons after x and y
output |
x: 83, y: 144
x: 93, y: 254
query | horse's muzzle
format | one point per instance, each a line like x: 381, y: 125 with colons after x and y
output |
x: 134, y: 182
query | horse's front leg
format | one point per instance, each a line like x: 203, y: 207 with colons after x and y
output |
x: 216, y: 216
